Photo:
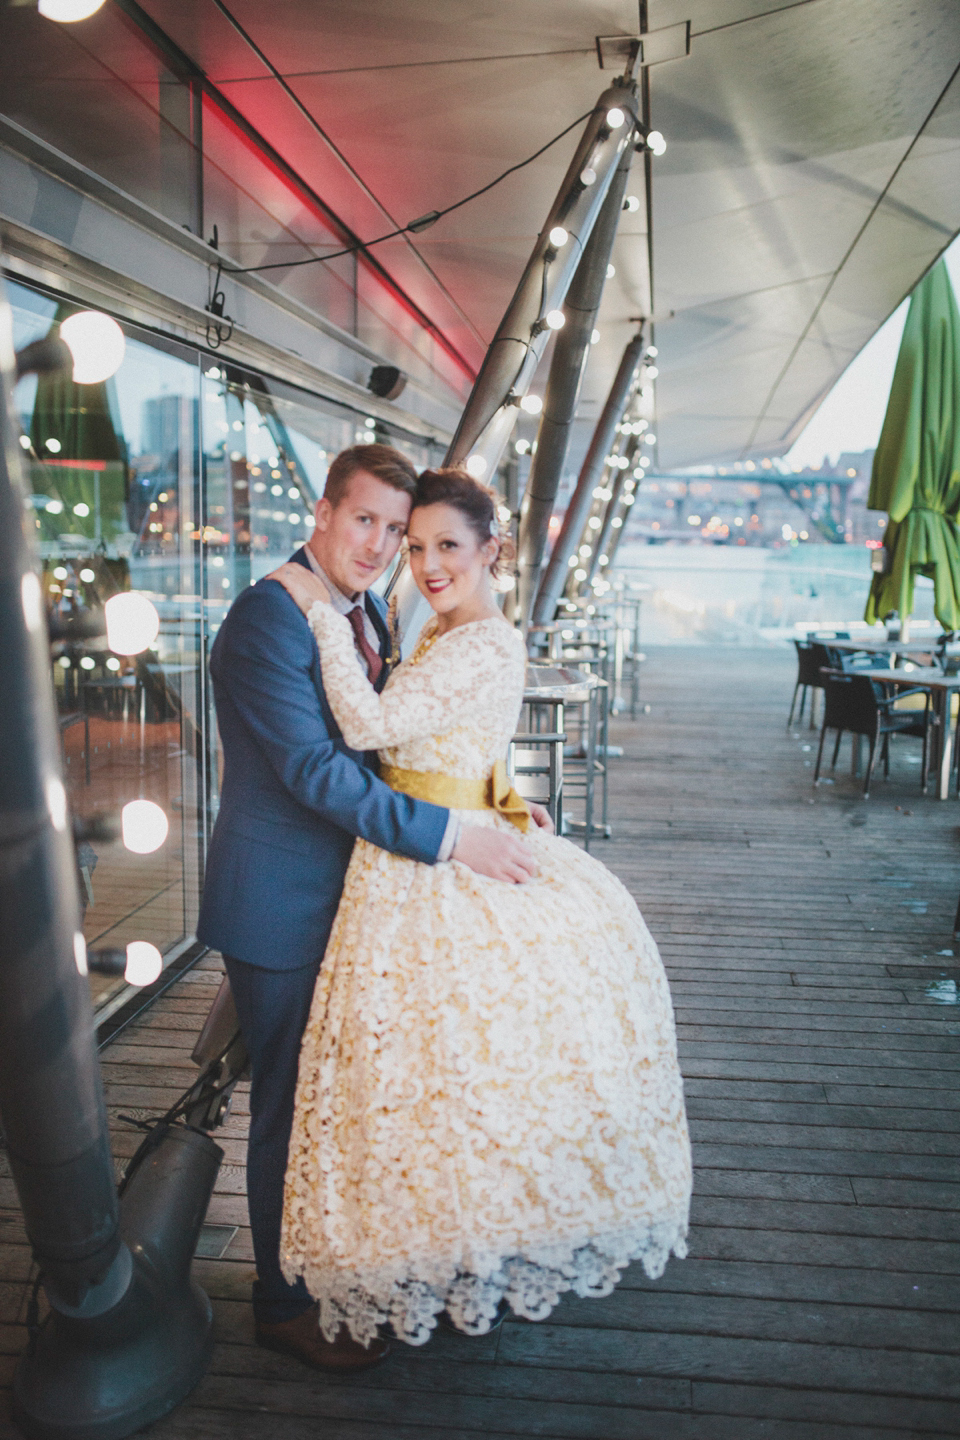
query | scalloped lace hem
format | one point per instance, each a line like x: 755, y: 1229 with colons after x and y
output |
x: 531, y: 1287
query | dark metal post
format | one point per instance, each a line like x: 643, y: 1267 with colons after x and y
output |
x: 567, y: 367
x: 127, y: 1335
x: 554, y: 580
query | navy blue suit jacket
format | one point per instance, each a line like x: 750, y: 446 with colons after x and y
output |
x: 293, y: 796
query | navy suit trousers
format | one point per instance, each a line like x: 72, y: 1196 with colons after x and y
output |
x: 273, y: 1006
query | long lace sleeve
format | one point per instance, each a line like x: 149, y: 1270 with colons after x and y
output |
x: 463, y: 673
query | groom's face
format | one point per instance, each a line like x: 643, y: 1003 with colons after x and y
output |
x: 355, y: 542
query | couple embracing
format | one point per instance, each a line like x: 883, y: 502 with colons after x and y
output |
x: 464, y: 1096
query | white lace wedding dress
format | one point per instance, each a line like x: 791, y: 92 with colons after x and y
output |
x: 489, y: 1103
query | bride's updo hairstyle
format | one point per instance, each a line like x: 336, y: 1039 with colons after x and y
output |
x: 477, y: 504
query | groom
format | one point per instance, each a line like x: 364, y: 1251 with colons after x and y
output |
x: 292, y: 800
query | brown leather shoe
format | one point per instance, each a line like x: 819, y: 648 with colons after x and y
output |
x: 302, y: 1338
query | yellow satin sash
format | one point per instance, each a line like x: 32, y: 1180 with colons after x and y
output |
x: 458, y: 793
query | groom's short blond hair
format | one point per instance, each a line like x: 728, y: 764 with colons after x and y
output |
x: 385, y: 464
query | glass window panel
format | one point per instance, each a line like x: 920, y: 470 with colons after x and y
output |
x: 186, y: 479
x: 103, y: 96
x: 112, y: 470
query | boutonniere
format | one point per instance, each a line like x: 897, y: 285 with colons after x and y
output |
x: 393, y: 629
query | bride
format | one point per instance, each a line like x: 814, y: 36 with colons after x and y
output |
x: 489, y: 1107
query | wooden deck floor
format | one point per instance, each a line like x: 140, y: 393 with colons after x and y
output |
x: 808, y: 941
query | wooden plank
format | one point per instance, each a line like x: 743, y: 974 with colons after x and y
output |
x: 820, y: 1299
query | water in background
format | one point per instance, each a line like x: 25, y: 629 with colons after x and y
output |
x: 718, y: 594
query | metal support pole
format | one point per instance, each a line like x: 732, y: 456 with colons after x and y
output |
x: 514, y: 354
x: 612, y: 510
x: 567, y: 367
x: 127, y: 1335
x: 555, y: 578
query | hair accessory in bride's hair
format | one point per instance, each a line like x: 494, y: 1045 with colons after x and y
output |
x: 393, y: 628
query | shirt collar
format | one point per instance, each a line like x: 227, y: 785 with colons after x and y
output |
x: 343, y: 604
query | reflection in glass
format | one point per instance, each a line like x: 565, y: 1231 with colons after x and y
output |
x: 159, y: 493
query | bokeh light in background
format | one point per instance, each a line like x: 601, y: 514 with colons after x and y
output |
x: 132, y: 622
x: 66, y: 12
x: 97, y: 345
x: 144, y: 963
x: 144, y: 826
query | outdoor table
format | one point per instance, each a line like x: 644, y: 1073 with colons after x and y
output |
x: 893, y: 648
x: 941, y: 688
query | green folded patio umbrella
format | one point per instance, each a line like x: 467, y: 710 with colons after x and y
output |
x: 916, y: 469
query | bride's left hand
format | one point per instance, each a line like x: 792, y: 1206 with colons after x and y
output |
x: 301, y: 585
x: 541, y: 818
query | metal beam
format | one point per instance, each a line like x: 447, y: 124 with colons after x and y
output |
x: 567, y: 367
x: 515, y: 352
x: 624, y: 384
x: 612, y: 508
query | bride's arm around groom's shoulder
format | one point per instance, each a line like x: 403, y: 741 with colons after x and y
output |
x: 469, y: 671
x: 267, y: 683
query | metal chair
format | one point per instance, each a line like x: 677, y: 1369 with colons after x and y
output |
x: 855, y: 703
x: 813, y: 655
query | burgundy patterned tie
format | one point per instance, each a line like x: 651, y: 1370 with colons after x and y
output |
x: 372, y: 660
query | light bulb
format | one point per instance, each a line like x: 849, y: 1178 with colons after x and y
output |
x: 476, y: 466
x: 631, y: 203
x: 656, y: 142
x: 611, y: 271
x: 649, y: 438
x: 88, y: 663
x: 144, y: 826
x: 96, y: 343
x: 87, y: 576
x: 66, y: 12
x: 532, y: 404
x: 82, y: 510
x: 80, y: 953
x: 555, y: 319
x: 594, y: 337
x: 558, y: 236
x: 652, y: 351
x: 144, y: 963
x: 54, y: 507
x: 588, y: 176
x: 615, y: 118
x: 25, y: 442
x: 522, y: 447
x: 53, y: 445
x: 650, y: 372
x: 60, y: 573
x: 579, y: 574
x: 132, y: 622
x: 572, y: 562
x: 113, y: 663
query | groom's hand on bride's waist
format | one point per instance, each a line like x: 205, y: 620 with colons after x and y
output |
x: 495, y: 854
